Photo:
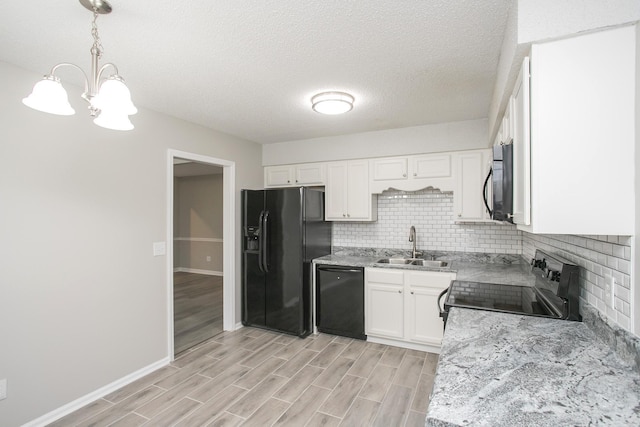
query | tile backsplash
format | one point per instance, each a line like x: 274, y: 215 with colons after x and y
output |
x: 431, y: 213
x: 600, y: 257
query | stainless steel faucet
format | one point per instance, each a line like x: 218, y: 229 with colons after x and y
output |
x: 412, y: 238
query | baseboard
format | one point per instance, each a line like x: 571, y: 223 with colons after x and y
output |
x: 197, y: 271
x: 56, y: 414
x: 404, y: 344
x: 238, y: 326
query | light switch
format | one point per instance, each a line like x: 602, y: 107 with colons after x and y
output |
x: 3, y: 389
x: 159, y: 248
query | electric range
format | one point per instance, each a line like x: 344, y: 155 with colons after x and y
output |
x: 554, y: 295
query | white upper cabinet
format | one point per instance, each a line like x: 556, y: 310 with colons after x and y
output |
x: 507, y: 128
x: 431, y: 166
x: 412, y: 173
x: 389, y: 168
x: 348, y: 197
x: 498, y: 138
x: 310, y: 174
x: 294, y: 175
x: 278, y: 176
x: 471, y: 169
x: 582, y: 164
x: 521, y: 148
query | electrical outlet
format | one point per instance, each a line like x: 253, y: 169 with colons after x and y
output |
x: 3, y: 389
x: 208, y: 258
x: 609, y: 291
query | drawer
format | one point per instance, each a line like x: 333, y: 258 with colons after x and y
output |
x: 378, y: 275
x: 431, y: 279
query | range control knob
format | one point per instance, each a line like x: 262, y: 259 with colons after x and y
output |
x: 553, y: 275
x: 538, y: 263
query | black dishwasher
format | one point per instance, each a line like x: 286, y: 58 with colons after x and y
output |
x: 340, y: 300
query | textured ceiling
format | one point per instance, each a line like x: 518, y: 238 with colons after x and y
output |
x: 249, y: 68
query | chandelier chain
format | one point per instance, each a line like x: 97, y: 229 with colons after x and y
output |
x: 97, y: 44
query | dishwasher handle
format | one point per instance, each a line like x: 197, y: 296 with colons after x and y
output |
x: 340, y: 270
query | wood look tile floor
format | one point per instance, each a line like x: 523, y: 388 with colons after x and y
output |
x: 197, y: 309
x: 253, y: 377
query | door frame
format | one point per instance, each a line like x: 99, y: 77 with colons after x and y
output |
x: 228, y: 237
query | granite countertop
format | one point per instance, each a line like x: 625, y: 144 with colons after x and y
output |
x: 501, y: 369
x: 504, y: 269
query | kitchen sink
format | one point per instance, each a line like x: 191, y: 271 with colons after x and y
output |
x: 429, y: 263
x: 413, y: 261
x: 396, y: 260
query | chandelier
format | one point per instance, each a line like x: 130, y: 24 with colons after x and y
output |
x: 108, y: 97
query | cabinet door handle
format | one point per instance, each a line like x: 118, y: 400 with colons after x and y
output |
x: 348, y: 215
x: 296, y: 180
x: 411, y: 292
x: 404, y: 175
x: 288, y: 181
x: 415, y: 174
x: 399, y: 292
x: 344, y: 215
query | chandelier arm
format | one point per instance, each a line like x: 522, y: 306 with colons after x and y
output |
x: 104, y: 67
x: 86, y: 80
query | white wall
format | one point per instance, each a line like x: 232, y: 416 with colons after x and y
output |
x: 198, y: 223
x: 82, y: 300
x: 467, y: 135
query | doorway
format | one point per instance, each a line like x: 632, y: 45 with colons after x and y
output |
x: 200, y: 250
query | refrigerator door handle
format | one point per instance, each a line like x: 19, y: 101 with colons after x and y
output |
x: 260, y: 239
x: 265, y: 242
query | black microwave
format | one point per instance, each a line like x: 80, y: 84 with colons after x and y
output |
x: 501, y: 177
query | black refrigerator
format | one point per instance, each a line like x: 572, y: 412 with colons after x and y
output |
x: 283, y: 231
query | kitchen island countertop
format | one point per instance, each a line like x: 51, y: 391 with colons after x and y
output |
x: 502, y: 369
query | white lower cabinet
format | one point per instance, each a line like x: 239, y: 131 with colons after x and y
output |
x: 401, y: 306
x: 384, y: 312
x: 422, y: 316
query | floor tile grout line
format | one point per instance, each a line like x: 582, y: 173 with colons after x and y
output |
x: 354, y: 401
x: 237, y: 343
x: 89, y: 416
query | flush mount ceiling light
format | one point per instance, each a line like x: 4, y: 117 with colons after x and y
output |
x: 332, y: 102
x: 109, y: 98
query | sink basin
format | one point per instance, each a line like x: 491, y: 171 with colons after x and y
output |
x: 395, y: 261
x: 414, y: 261
x: 429, y: 263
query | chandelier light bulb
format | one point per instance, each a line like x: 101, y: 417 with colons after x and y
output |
x: 49, y: 96
x: 113, y: 120
x: 114, y: 95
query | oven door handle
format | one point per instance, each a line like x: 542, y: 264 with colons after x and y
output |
x: 441, y: 307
